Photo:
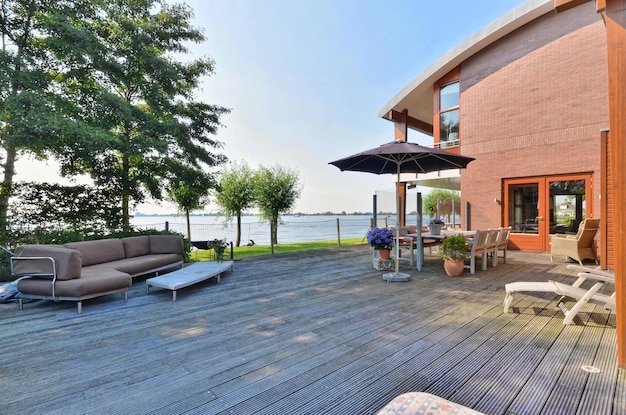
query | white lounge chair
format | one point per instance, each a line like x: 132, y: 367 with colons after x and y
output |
x: 575, y: 291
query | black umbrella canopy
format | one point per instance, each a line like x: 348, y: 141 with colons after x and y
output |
x: 402, y: 157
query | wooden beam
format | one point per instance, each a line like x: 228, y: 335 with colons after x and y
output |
x: 413, y: 123
x: 562, y: 5
x: 616, y: 54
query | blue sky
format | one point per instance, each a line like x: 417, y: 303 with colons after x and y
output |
x: 305, y: 81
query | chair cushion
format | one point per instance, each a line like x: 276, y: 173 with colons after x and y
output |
x: 166, y: 244
x: 135, y: 246
x: 99, y: 251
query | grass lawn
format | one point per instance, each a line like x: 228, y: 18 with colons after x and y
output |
x: 257, y: 250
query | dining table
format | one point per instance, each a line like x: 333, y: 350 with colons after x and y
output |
x: 440, y: 236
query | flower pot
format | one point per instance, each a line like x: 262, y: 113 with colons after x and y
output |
x: 453, y: 268
x: 384, y: 254
x: 435, y: 228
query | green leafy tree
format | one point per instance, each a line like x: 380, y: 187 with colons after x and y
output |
x: 142, y: 102
x: 442, y: 198
x: 191, y: 193
x: 36, y: 117
x: 276, y: 190
x: 80, y: 208
x: 235, y: 193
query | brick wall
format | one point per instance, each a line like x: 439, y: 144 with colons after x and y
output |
x: 533, y: 104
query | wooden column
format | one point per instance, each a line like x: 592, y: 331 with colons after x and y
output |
x: 400, y: 132
x: 616, y: 50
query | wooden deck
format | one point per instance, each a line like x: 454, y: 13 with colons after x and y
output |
x: 313, y: 333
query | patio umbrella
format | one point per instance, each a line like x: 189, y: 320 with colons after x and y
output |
x: 402, y: 157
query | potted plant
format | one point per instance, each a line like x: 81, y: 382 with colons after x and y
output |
x: 454, y: 252
x: 381, y: 239
x: 435, y: 226
x: 218, y: 246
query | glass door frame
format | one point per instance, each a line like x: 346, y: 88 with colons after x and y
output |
x: 540, y: 241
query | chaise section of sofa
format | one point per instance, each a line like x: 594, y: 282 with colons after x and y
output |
x: 78, y: 271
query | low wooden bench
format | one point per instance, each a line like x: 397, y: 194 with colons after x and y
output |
x: 189, y: 275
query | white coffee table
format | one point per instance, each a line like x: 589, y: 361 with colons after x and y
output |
x: 189, y: 275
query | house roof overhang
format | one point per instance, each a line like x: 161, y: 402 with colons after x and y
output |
x: 417, y: 96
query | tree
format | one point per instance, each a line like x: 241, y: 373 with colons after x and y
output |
x: 442, y: 198
x: 275, y: 191
x: 79, y: 208
x: 235, y: 193
x: 190, y: 193
x: 142, y: 101
x: 35, y: 116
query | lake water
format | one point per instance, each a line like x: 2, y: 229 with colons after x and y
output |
x: 292, y: 229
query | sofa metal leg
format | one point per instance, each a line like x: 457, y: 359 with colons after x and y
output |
x: 80, y: 307
x: 125, y: 295
x: 20, y: 304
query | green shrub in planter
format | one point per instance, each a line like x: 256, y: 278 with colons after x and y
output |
x: 455, y: 248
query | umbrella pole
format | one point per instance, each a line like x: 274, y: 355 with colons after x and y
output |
x: 397, y: 275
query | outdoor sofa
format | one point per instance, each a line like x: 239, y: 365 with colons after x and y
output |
x: 78, y: 271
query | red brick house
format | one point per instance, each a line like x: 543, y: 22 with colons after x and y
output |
x: 527, y: 97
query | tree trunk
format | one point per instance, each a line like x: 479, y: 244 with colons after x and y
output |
x: 238, y: 239
x: 275, y: 231
x: 6, y: 190
x: 188, y: 224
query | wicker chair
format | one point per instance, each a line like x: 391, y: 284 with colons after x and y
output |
x: 578, y: 247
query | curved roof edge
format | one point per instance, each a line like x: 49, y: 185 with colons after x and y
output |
x: 501, y: 27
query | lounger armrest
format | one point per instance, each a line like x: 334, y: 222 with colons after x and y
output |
x: 597, y: 277
x: 574, y: 292
x: 593, y: 273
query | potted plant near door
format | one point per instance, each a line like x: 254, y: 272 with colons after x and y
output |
x: 454, y: 252
x: 381, y: 239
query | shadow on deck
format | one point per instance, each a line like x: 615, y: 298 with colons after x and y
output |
x: 313, y: 333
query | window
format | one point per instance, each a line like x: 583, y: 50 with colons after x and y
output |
x: 449, y: 115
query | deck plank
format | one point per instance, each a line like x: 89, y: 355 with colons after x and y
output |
x: 311, y: 333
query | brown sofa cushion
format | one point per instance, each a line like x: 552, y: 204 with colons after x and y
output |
x: 166, y: 244
x: 87, y: 285
x: 99, y: 251
x: 67, y: 261
x: 137, y: 265
x: 136, y: 246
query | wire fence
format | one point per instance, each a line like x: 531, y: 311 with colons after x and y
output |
x: 258, y: 233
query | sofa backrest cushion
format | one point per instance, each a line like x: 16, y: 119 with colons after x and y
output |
x: 99, y: 251
x: 66, y: 261
x: 166, y: 244
x: 135, y: 246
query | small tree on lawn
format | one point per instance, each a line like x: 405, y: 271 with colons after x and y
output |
x: 235, y: 193
x: 276, y: 190
x: 191, y: 192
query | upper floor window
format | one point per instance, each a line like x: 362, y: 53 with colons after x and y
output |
x: 449, y: 115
